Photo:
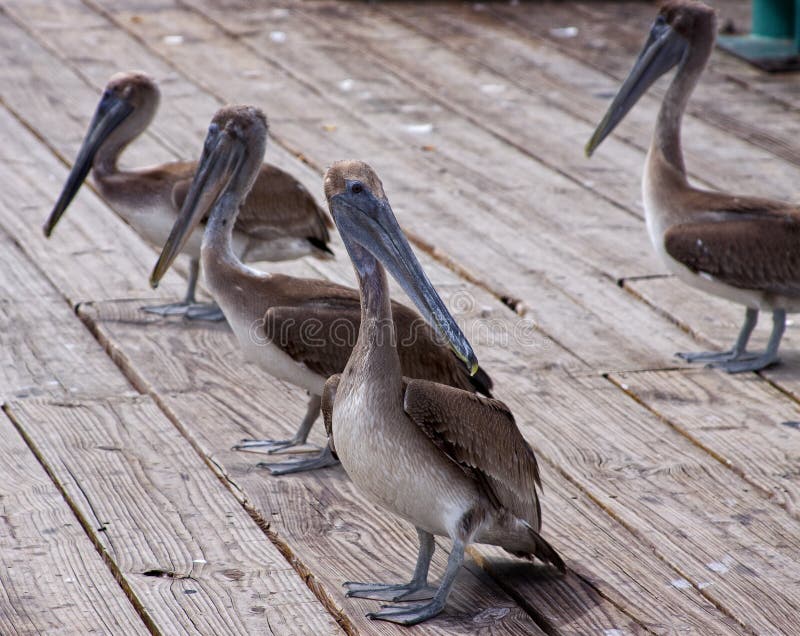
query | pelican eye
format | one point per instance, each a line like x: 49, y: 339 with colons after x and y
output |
x: 356, y: 187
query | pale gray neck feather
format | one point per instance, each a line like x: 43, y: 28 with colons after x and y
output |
x: 667, y: 137
x: 107, y: 157
x: 376, y: 336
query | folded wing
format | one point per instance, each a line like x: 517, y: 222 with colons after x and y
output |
x: 741, y: 249
x: 480, y: 435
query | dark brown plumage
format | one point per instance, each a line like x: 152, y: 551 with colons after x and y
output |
x: 742, y: 242
x: 316, y: 322
x: 293, y: 211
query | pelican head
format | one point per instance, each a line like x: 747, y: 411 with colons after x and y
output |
x: 232, y: 156
x: 681, y: 28
x: 364, y: 217
x: 126, y: 108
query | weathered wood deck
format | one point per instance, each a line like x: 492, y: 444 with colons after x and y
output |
x: 672, y: 492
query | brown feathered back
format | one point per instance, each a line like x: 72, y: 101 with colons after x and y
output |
x: 745, y: 242
x: 316, y: 323
x: 277, y: 206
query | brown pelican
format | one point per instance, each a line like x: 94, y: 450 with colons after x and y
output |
x: 737, y: 247
x: 448, y: 461
x: 299, y: 330
x: 280, y: 219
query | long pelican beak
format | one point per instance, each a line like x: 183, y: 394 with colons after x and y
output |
x: 110, y: 113
x: 218, y: 165
x: 664, y: 49
x: 370, y: 221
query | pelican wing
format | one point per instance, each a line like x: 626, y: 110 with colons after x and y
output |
x: 322, y: 332
x: 278, y: 206
x: 293, y: 211
x: 480, y: 435
x: 750, y: 246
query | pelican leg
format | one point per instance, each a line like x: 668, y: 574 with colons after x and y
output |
x: 189, y: 307
x: 416, y: 590
x: 270, y: 446
x: 770, y: 356
x: 324, y: 459
x: 737, y: 352
x: 194, y: 272
x: 411, y: 615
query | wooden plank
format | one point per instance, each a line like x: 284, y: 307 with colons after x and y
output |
x: 183, y: 545
x: 743, y: 421
x: 52, y: 580
x: 504, y: 258
x: 698, y: 515
x: 315, y: 514
x: 46, y: 350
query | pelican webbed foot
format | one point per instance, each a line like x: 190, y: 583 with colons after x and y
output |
x: 209, y: 312
x: 323, y: 460
x: 751, y: 363
x: 408, y: 614
x: 274, y: 446
x: 735, y: 357
x: 740, y: 360
x: 712, y: 357
x: 417, y: 589
x: 189, y: 308
x: 413, y: 614
x: 192, y: 311
x: 270, y: 446
x: 413, y: 591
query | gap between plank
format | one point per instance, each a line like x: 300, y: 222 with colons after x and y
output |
x: 696, y: 442
x: 645, y: 541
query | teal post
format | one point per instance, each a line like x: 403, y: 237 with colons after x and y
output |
x: 774, y: 19
x: 774, y: 43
